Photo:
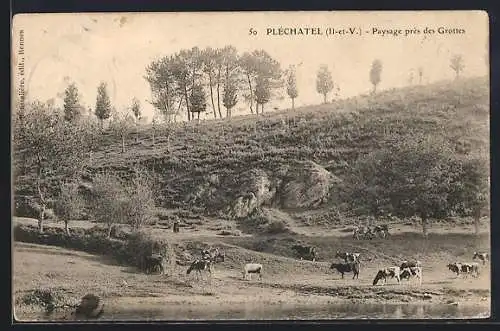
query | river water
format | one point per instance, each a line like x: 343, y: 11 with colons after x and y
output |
x: 289, y: 312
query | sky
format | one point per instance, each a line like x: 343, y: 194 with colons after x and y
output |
x: 87, y: 48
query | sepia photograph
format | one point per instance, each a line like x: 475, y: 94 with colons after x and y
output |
x: 301, y: 165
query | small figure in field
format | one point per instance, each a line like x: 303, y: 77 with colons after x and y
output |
x: 176, y: 226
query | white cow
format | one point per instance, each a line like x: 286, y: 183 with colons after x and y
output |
x: 252, y: 268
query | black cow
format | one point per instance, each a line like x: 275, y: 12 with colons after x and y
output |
x: 305, y: 252
x: 153, y: 263
x: 411, y: 272
x: 455, y: 268
x: 200, y: 265
x: 410, y: 264
x: 347, y: 267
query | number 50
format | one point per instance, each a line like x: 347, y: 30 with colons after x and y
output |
x: 252, y: 32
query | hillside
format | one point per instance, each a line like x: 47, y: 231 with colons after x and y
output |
x: 292, y: 160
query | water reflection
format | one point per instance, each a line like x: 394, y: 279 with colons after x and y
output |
x: 334, y: 311
x: 285, y: 312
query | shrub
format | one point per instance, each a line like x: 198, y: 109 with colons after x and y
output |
x: 141, y: 244
x: 277, y: 227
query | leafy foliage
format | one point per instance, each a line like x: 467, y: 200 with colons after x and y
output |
x: 103, y: 104
x: 72, y: 107
x: 324, y: 81
x: 375, y: 74
x: 457, y: 64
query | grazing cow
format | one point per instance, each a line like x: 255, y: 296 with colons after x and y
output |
x: 307, y: 252
x: 455, y: 268
x: 481, y: 256
x: 470, y: 268
x: 347, y: 267
x: 362, y: 233
x: 410, y: 264
x: 410, y: 272
x: 153, y: 263
x: 392, y: 272
x: 213, y: 255
x: 381, y: 230
x: 252, y: 268
x: 347, y: 256
x: 200, y: 265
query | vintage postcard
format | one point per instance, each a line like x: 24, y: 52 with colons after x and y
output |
x: 251, y: 166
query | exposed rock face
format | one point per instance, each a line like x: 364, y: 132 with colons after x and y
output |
x: 306, y: 185
x: 300, y: 185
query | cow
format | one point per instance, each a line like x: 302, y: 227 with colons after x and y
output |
x: 362, y: 233
x: 410, y: 264
x: 307, y: 252
x: 200, y: 265
x: 410, y: 272
x: 470, y: 268
x: 481, y: 256
x: 213, y: 255
x: 153, y: 262
x: 347, y: 256
x: 455, y: 268
x: 381, y: 230
x: 252, y: 268
x: 392, y: 272
x: 346, y: 267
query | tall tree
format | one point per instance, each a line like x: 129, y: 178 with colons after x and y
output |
x: 324, y: 81
x: 72, y: 107
x: 457, y: 64
x: 209, y: 56
x: 103, y: 104
x: 375, y: 74
x: 249, y: 67
x: 121, y: 123
x: 136, y: 111
x: 167, y: 96
x: 49, y: 150
x: 230, y: 98
x: 198, y: 100
x: 262, y: 92
x: 420, y: 75
x: 291, y: 85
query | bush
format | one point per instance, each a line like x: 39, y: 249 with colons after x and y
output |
x: 277, y: 227
x: 140, y: 244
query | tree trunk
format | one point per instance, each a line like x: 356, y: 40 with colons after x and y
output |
x: 256, y: 108
x: 110, y: 227
x: 293, y: 103
x: 66, y: 227
x: 123, y: 144
x: 251, y: 93
x: 262, y: 108
x: 374, y: 88
x: 136, y: 132
x: 218, y: 93
x: 187, y: 103
x: 324, y: 97
x: 425, y: 225
x: 212, y: 94
x: 41, y: 219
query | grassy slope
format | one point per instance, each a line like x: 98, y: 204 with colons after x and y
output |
x: 332, y: 135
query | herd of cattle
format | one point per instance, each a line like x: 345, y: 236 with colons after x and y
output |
x: 367, y: 232
x: 351, y: 262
